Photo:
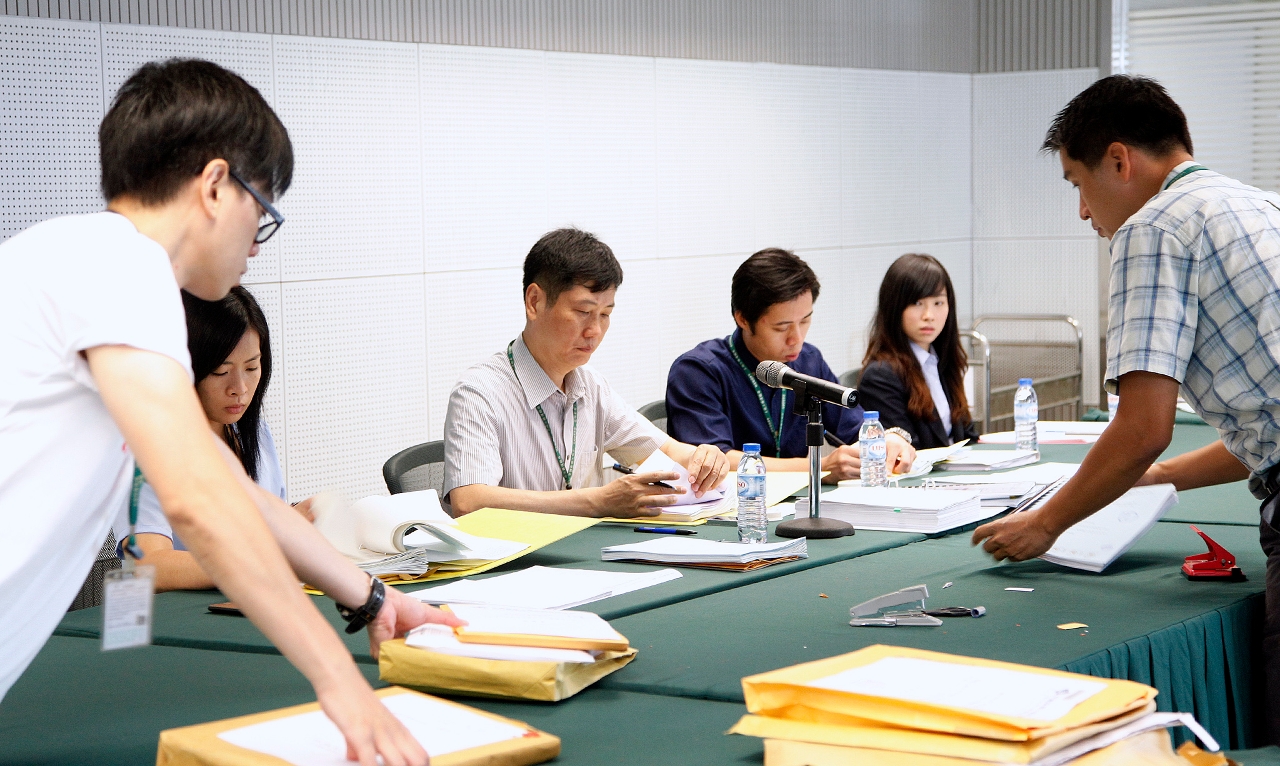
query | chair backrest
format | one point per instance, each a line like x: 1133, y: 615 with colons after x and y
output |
x: 417, y: 468
x: 849, y: 378
x: 656, y: 412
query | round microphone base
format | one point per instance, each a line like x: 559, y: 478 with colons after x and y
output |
x: 818, y: 529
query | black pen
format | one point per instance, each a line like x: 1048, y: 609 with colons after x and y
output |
x: 665, y: 531
x: 834, y: 440
x: 620, y: 468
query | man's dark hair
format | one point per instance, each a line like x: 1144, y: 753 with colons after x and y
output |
x: 770, y: 276
x: 1136, y: 111
x: 567, y: 257
x: 171, y: 119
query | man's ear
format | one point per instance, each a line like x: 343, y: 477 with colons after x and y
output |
x: 212, y: 185
x: 742, y: 323
x: 535, y: 301
x: 1120, y: 158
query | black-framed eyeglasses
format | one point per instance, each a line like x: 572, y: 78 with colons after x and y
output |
x: 270, y: 227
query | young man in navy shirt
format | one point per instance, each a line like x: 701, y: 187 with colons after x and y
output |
x: 713, y: 396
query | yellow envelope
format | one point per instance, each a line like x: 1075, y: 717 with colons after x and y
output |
x: 820, y: 727
x: 786, y: 688
x: 199, y: 745
x: 1147, y: 749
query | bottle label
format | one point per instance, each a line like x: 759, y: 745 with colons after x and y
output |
x: 874, y: 450
x: 751, y: 486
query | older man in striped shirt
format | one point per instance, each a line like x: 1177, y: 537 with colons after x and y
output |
x: 1195, y: 306
x: 526, y: 428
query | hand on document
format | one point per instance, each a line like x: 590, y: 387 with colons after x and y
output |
x: 402, y: 613
x: 1019, y: 537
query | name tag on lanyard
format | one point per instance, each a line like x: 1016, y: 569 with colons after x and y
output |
x: 129, y: 592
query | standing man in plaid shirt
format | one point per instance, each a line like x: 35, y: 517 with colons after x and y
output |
x: 1195, y: 306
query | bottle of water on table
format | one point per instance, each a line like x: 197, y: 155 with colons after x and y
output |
x: 1026, y: 411
x: 874, y: 452
x: 753, y: 523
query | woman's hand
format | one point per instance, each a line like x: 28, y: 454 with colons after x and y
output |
x: 401, y: 614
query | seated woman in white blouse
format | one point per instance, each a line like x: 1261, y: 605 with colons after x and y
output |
x: 231, y: 358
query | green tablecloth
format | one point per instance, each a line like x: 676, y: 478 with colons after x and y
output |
x: 76, y: 705
x: 182, y: 619
x: 1191, y: 640
x: 1263, y: 756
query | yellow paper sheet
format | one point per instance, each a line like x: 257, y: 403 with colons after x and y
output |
x: 819, y: 727
x: 782, y: 689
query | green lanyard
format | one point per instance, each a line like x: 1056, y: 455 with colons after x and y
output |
x: 1185, y: 172
x: 567, y: 473
x: 130, y: 544
x: 768, y: 416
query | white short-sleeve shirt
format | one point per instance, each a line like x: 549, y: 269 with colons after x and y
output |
x: 151, y: 519
x: 494, y: 435
x: 69, y: 284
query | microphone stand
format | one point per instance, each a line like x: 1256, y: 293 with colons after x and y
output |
x: 810, y: 407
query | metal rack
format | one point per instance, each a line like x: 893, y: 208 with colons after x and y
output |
x: 1048, y: 348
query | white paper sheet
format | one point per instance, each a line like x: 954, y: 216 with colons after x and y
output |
x: 441, y: 639
x: 1042, y: 473
x: 658, y: 461
x: 535, y: 622
x: 311, y: 739
x: 544, y: 587
x: 686, y: 550
x: 967, y: 687
x: 1095, y: 542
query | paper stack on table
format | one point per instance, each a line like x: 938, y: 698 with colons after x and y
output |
x: 988, y: 460
x: 1054, y: 432
x: 893, y: 705
x: 708, y: 554
x: 892, y: 509
x: 407, y: 534
x: 547, y: 628
x: 544, y: 587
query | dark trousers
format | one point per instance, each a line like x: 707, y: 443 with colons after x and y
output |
x: 1270, y: 540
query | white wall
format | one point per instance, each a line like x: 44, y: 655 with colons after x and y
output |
x: 425, y: 172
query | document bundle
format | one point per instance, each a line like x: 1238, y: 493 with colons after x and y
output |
x: 452, y: 734
x: 544, y: 587
x: 894, y: 509
x: 894, y: 705
x: 989, y: 460
x: 1097, y: 541
x: 708, y: 554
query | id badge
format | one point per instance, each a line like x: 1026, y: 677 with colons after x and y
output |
x: 126, y: 607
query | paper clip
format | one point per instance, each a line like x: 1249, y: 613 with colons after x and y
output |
x: 902, y: 607
x: 1218, y: 564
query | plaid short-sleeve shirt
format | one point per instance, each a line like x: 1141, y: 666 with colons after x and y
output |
x: 1195, y: 295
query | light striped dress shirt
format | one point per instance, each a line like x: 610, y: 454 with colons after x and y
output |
x: 1195, y: 295
x: 493, y: 434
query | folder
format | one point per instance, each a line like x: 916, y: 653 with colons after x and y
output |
x: 202, y: 745
x: 830, y: 686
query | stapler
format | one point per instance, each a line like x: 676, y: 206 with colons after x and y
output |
x: 1217, y: 564
x: 902, y: 607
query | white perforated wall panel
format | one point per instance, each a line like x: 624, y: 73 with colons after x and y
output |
x: 706, y: 158
x: 484, y: 155
x: 797, y: 174
x: 268, y: 297
x: 125, y: 47
x: 471, y: 315
x: 351, y: 107
x: 600, y: 143
x: 905, y: 156
x: 50, y: 107
x: 700, y: 288
x: 355, y: 376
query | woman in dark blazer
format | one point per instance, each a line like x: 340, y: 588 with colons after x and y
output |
x: 913, y: 372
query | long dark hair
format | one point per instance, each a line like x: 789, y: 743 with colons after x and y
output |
x: 213, y: 330
x: 910, y: 278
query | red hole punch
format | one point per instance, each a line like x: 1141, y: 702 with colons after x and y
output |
x: 1218, y: 564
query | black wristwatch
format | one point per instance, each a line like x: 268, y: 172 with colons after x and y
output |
x: 358, y: 618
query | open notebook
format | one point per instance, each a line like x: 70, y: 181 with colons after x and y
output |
x: 404, y: 534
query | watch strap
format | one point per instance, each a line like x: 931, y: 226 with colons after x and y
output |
x: 367, y: 612
x: 904, y: 433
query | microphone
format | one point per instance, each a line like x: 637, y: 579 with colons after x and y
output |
x: 778, y: 375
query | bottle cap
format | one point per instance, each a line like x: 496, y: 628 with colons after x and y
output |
x: 750, y: 447
x: 1024, y: 381
x: 871, y: 414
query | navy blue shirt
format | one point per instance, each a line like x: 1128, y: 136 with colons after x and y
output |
x: 711, y: 401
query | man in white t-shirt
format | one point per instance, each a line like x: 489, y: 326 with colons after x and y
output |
x: 96, y: 372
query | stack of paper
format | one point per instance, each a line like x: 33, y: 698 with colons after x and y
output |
x: 544, y: 587
x: 1100, y: 539
x: 442, y: 640
x: 1055, y: 432
x: 708, y: 554
x: 449, y: 732
x: 688, y: 507
x: 989, y: 460
x: 892, y: 509
x: 893, y: 705
x: 545, y: 628
x: 404, y: 535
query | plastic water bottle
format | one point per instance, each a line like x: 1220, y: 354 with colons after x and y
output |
x: 874, y: 452
x: 753, y: 523
x: 1026, y: 411
x: 1113, y: 402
